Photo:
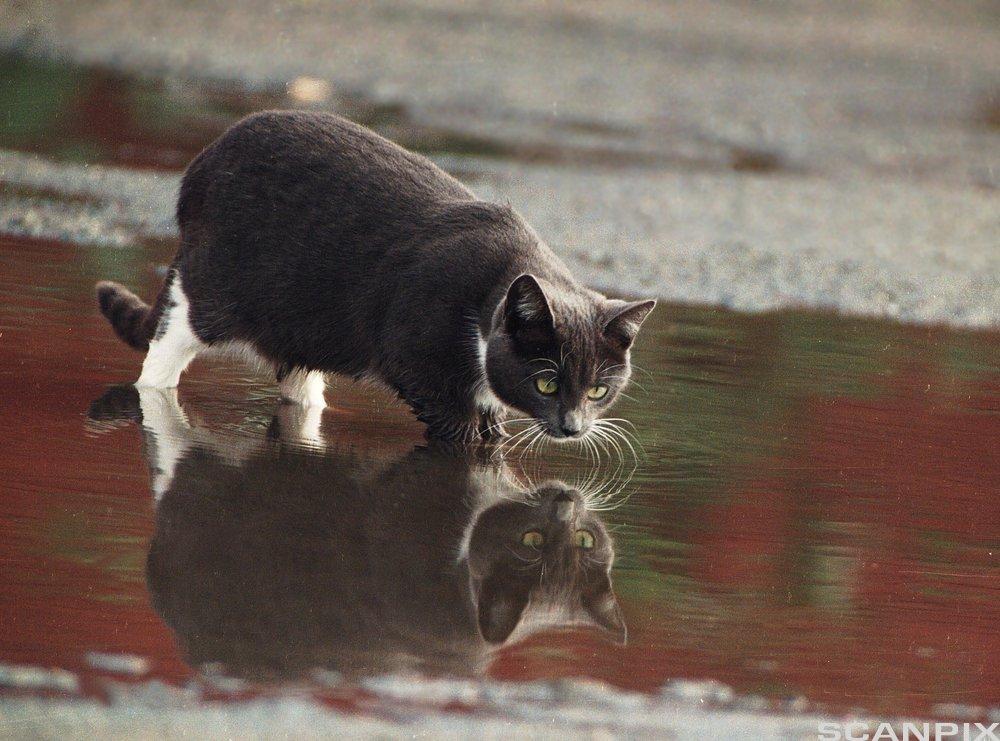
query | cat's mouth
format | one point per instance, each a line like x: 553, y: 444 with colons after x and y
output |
x: 562, y: 435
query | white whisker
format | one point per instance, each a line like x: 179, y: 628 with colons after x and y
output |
x: 512, y: 442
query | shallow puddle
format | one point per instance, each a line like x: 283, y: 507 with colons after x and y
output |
x: 813, y: 514
x: 97, y: 115
x: 93, y: 114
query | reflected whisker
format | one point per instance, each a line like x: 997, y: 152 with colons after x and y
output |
x: 606, y: 437
x: 498, y: 425
x: 532, y: 441
x: 613, y: 426
x: 512, y: 442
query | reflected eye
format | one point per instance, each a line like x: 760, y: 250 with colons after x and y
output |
x: 534, y: 539
x: 584, y: 539
x: 597, y: 392
x: 547, y: 386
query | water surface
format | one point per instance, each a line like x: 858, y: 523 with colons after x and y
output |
x: 814, y: 512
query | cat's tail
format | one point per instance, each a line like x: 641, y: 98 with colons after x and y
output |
x: 129, y: 315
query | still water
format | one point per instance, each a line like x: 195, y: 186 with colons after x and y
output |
x: 813, y: 513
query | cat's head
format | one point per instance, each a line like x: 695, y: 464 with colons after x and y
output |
x: 561, y: 357
x: 542, y: 562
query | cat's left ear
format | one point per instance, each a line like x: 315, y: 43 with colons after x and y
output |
x: 527, y: 313
x: 600, y: 603
x: 624, y: 324
x: 501, y: 602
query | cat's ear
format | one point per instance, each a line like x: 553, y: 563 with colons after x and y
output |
x: 600, y: 603
x: 526, y: 309
x: 624, y: 324
x: 501, y: 602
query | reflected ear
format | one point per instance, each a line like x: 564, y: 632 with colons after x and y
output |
x: 601, y: 604
x: 501, y: 602
x: 624, y: 324
x: 527, y: 314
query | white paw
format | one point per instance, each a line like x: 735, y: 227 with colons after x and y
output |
x: 305, y: 389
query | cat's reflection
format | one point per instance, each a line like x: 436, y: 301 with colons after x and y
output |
x: 274, y: 557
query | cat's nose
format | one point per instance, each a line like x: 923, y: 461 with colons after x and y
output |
x: 571, y: 424
x: 564, y: 506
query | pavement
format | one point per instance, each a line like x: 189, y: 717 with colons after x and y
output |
x: 411, y: 707
x: 758, y: 157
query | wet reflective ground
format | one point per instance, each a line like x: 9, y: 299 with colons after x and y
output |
x: 814, y: 513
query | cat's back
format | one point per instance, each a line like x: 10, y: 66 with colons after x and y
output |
x: 307, y: 163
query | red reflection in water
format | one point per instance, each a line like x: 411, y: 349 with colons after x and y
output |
x: 897, y: 496
x: 856, y: 564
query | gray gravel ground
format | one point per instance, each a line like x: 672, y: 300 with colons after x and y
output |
x: 924, y: 254
x: 781, y: 154
x: 413, y: 708
x: 84, y: 204
x: 410, y: 707
x: 895, y: 88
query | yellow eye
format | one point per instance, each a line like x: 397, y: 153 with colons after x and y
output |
x: 584, y: 539
x: 597, y: 392
x: 547, y: 386
x: 533, y: 538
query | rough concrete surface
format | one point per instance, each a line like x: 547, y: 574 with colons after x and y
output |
x: 409, y: 707
x: 757, y: 156
x: 888, y: 248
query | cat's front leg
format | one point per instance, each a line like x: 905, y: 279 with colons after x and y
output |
x: 460, y: 425
x: 449, y: 426
x: 491, y: 425
x: 448, y: 420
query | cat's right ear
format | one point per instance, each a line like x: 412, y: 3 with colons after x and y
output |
x: 624, y: 325
x: 501, y: 602
x: 527, y: 314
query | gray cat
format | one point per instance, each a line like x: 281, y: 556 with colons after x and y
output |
x: 321, y: 247
x: 279, y: 556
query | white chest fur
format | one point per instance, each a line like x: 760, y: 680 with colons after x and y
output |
x: 486, y: 401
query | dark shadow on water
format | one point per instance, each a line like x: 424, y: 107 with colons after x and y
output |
x: 276, y: 556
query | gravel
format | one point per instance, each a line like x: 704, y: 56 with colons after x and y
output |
x: 902, y: 89
x: 404, y: 707
x: 800, y: 155
x: 893, y: 249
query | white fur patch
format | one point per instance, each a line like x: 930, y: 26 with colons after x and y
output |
x: 174, y: 349
x: 304, y: 388
x: 176, y: 346
x: 486, y: 400
x: 300, y: 425
x: 170, y: 431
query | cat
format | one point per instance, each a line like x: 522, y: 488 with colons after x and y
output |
x: 325, y: 248
x: 279, y: 557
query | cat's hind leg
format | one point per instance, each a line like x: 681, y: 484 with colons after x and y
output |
x: 174, y: 345
x: 303, y: 387
x: 296, y: 424
x: 167, y: 433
